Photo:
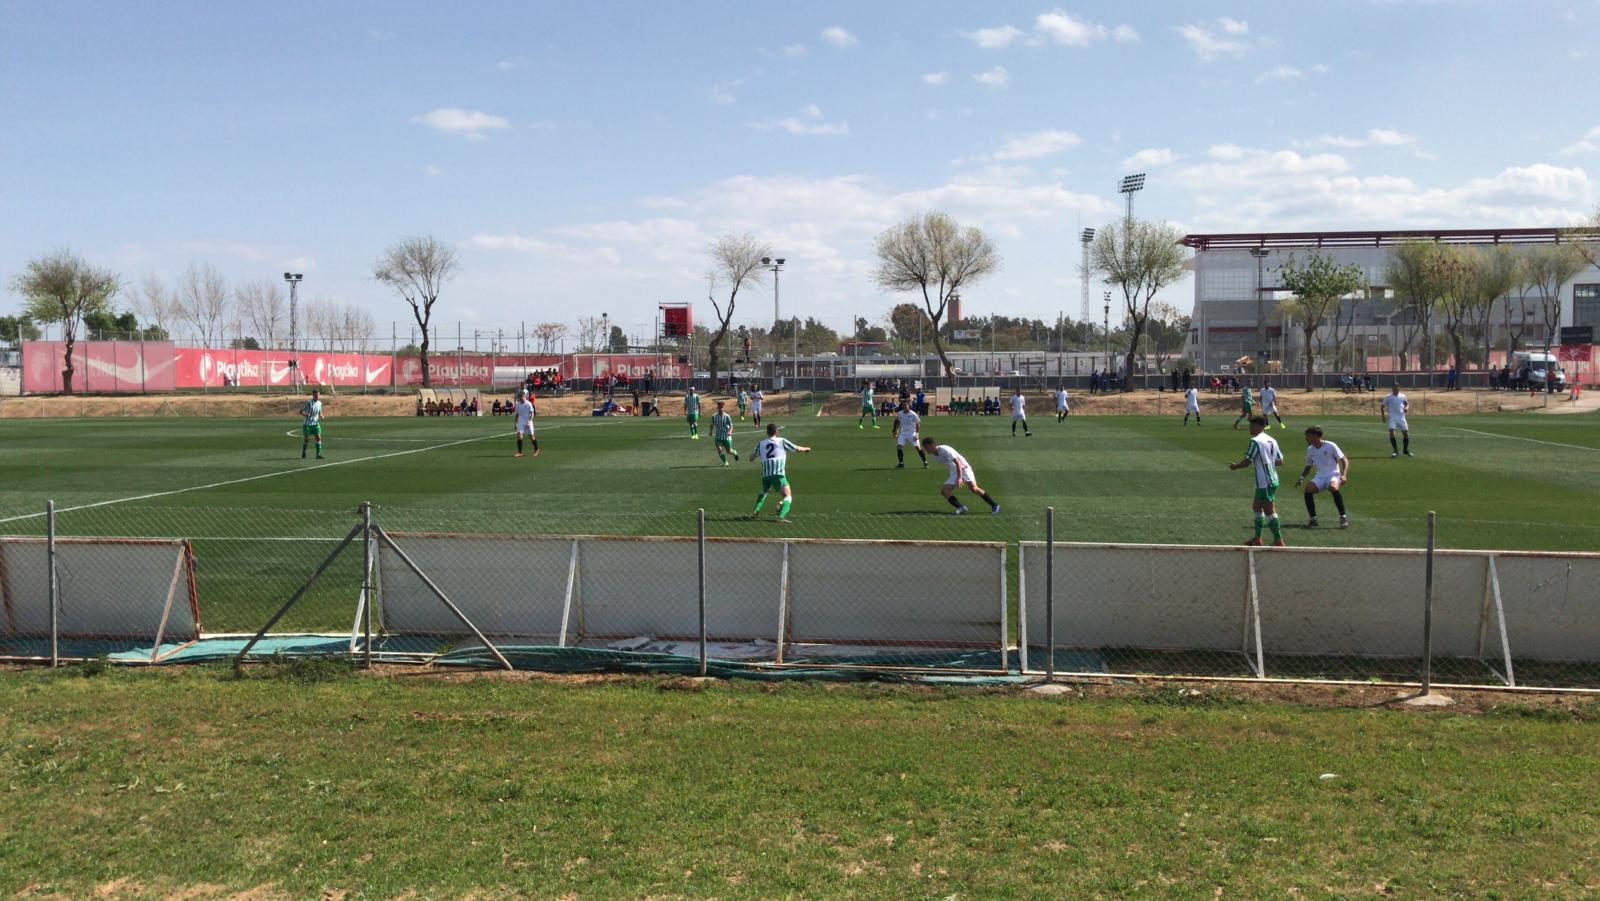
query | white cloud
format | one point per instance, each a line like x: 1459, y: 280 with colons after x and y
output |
x: 1377, y: 137
x: 1124, y: 34
x: 471, y: 124
x: 1225, y: 152
x: 722, y: 92
x: 1224, y: 37
x: 935, y: 78
x: 996, y: 77
x: 838, y: 37
x: 994, y: 38
x: 1589, y: 143
x: 812, y: 124
x: 794, y: 50
x: 511, y: 63
x: 432, y: 170
x: 1280, y: 73
x: 1150, y: 158
x: 1062, y: 28
x: 1033, y: 146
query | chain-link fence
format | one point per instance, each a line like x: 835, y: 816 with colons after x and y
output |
x: 983, y: 596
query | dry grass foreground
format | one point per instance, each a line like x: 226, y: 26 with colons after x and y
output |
x: 1040, y: 404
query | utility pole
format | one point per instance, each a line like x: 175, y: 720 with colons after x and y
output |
x: 776, y: 265
x: 293, y: 278
x: 1260, y: 253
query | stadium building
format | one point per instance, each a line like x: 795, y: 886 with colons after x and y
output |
x: 1236, y: 291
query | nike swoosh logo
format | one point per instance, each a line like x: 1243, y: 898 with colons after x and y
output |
x: 121, y: 373
x: 373, y: 374
x: 278, y: 375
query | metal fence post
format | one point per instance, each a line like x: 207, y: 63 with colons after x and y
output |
x: 1427, y: 613
x: 53, y: 590
x: 366, y: 584
x: 1049, y: 592
x: 700, y: 551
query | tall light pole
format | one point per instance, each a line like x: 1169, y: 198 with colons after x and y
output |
x: 1127, y: 187
x: 1086, y: 238
x: 776, y: 266
x: 1108, y: 330
x: 1260, y: 253
x: 293, y: 278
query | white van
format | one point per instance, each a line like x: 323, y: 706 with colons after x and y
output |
x: 1538, y: 363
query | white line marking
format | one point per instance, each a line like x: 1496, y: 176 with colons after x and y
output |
x: 1456, y: 428
x: 265, y: 475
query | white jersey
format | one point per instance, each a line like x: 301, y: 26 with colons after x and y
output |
x: 1191, y: 400
x: 1265, y: 455
x: 909, y: 424
x: 1019, y: 406
x: 960, y: 470
x: 755, y: 401
x: 1395, y: 406
x: 1269, y: 399
x: 1325, y: 458
x: 524, y: 415
x: 1061, y: 399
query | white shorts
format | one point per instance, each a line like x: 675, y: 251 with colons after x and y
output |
x: 1061, y: 408
x: 1323, y: 482
x: 1399, y: 423
x: 1017, y: 416
x: 525, y: 428
x: 1192, y: 408
x: 963, y: 477
x: 755, y: 407
x: 910, y: 439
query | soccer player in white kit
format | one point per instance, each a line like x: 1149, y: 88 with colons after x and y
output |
x: 756, y: 398
x: 1393, y: 409
x: 525, y: 414
x: 1269, y: 404
x: 960, y: 474
x: 1191, y: 404
x: 1019, y: 413
x: 907, y: 429
x: 1332, y: 471
x: 1062, y: 410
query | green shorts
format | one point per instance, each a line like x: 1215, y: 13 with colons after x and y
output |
x: 1267, y: 495
x: 692, y: 417
x: 867, y: 409
x: 311, y: 429
x: 1248, y: 409
x: 724, y: 442
x: 774, y: 483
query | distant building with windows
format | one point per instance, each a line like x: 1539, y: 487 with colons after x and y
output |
x: 1236, y: 284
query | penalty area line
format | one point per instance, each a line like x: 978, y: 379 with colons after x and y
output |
x: 259, y: 477
x: 1456, y: 428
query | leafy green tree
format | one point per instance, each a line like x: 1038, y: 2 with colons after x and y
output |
x: 1548, y: 268
x: 63, y: 288
x: 1497, y: 272
x: 1316, y: 285
x: 14, y: 329
x: 1407, y: 272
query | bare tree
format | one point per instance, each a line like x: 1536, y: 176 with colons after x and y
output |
x: 549, y: 335
x: 590, y: 333
x: 156, y: 304
x: 1139, y: 258
x: 1407, y: 273
x: 259, y: 303
x: 1455, y: 274
x: 203, y: 302
x: 1550, y: 267
x: 735, y: 262
x: 1586, y: 239
x: 1496, y: 273
x: 63, y: 288
x: 932, y: 253
x: 1317, y: 284
x: 417, y: 268
x: 1168, y: 330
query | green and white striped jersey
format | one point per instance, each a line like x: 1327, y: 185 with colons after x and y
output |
x: 691, y: 403
x: 721, y: 425
x: 773, y: 452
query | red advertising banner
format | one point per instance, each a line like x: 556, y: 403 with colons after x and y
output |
x: 202, y: 367
x: 99, y: 367
x: 1576, y: 353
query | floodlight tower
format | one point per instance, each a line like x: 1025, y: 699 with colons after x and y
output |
x: 293, y: 278
x: 776, y: 266
x: 1129, y: 186
x: 1087, y: 238
x: 1260, y: 253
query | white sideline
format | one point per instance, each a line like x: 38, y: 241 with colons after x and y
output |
x: 1457, y: 428
x: 265, y: 475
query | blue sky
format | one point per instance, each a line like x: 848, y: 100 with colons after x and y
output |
x: 583, y: 155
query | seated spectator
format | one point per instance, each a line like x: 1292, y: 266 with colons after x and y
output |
x: 472, y: 408
x: 420, y: 410
x: 494, y: 410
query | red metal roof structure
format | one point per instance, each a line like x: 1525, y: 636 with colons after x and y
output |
x: 1386, y: 238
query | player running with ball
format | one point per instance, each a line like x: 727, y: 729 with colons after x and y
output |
x: 525, y: 414
x: 1333, y: 470
x: 1263, y: 456
x: 907, y: 429
x: 773, y: 452
x: 960, y: 474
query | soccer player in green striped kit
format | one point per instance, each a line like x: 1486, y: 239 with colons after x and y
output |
x: 722, y: 434
x: 773, y: 451
x: 691, y: 412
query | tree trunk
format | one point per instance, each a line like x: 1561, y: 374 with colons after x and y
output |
x: 1310, y: 359
x: 938, y: 348
x: 1455, y: 344
x: 1133, y: 350
x: 427, y: 380
x: 69, y: 339
x: 712, y: 349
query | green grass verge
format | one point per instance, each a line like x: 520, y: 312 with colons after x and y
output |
x: 305, y: 779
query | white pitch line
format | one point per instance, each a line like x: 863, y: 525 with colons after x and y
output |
x: 1456, y: 428
x: 265, y: 475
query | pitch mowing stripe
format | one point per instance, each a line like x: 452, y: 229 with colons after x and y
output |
x: 1456, y: 428
x: 265, y: 475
